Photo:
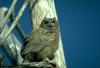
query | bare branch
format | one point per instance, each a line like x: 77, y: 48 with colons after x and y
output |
x: 15, y: 22
x: 12, y: 45
x: 18, y: 27
x: 9, y: 12
x: 3, y: 10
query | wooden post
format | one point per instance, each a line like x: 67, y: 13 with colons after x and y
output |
x: 39, y: 10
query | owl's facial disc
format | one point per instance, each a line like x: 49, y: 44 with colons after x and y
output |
x: 49, y: 24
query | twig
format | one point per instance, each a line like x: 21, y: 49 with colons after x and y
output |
x: 9, y: 12
x: 11, y: 44
x: 3, y: 10
x: 15, y: 22
x: 18, y: 27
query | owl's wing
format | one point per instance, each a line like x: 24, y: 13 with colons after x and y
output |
x: 32, y: 46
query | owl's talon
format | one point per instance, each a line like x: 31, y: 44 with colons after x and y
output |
x: 50, y: 62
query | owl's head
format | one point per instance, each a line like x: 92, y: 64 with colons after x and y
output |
x: 50, y: 25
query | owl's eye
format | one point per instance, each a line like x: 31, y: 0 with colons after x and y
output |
x: 45, y: 23
x: 53, y: 23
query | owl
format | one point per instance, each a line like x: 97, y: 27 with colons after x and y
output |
x: 41, y: 43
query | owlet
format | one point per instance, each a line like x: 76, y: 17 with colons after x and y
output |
x: 41, y: 43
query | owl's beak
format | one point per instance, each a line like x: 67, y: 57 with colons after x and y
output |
x: 52, y: 30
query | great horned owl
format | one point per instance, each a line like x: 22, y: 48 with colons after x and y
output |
x: 41, y: 43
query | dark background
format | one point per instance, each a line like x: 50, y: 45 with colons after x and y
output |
x: 80, y: 29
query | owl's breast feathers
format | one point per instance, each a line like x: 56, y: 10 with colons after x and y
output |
x: 36, y: 41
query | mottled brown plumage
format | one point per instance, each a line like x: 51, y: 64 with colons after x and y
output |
x: 41, y: 43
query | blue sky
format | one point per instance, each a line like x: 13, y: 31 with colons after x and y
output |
x: 80, y: 28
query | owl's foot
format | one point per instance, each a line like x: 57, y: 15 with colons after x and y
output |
x: 50, y: 62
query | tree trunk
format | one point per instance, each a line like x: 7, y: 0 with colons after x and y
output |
x: 39, y: 10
